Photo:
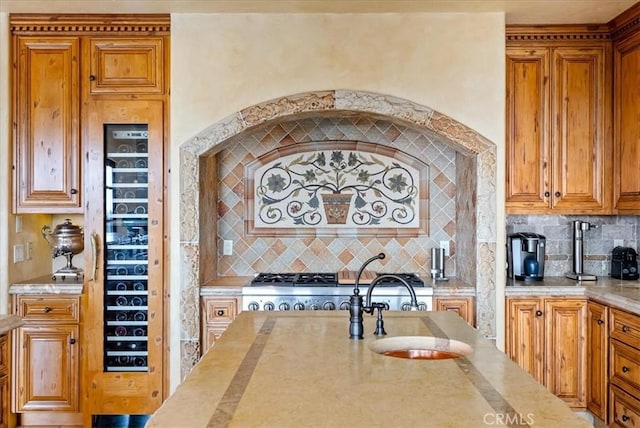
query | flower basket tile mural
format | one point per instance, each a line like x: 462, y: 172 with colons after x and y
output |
x: 351, y: 187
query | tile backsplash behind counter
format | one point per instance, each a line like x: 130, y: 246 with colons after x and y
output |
x: 598, y: 242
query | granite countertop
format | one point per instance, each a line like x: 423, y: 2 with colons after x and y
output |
x: 47, y: 285
x: 9, y: 322
x: 611, y: 291
x: 296, y: 369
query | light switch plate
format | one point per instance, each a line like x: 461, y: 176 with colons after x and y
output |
x: 227, y: 247
x: 18, y: 224
x: 18, y: 253
x: 445, y: 245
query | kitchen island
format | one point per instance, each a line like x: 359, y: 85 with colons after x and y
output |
x: 295, y: 369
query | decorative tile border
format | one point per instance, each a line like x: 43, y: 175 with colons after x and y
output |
x: 345, y: 103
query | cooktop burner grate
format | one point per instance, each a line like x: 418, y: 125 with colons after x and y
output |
x: 316, y: 280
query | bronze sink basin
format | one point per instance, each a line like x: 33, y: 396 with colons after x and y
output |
x: 420, y: 347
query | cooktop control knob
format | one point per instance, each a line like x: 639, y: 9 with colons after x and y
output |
x: 314, y: 307
x: 284, y: 306
x: 298, y: 306
x: 344, y: 306
x: 329, y: 306
x: 269, y: 306
x: 405, y: 306
x: 253, y: 306
x: 422, y: 306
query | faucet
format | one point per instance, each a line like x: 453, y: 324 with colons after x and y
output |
x: 357, y: 307
x: 579, y: 227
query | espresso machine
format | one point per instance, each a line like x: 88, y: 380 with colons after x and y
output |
x: 525, y: 256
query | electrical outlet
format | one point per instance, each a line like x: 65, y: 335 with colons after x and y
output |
x: 18, y: 224
x: 618, y: 242
x: 29, y: 250
x: 227, y: 247
x: 445, y: 245
x: 18, y: 253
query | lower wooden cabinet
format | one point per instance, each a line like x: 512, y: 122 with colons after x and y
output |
x: 463, y: 306
x: 546, y: 336
x: 5, y: 409
x: 46, y: 353
x: 624, y: 368
x: 597, y: 361
x: 216, y: 315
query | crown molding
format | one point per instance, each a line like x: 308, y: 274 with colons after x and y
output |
x: 625, y: 23
x: 555, y: 33
x: 27, y: 24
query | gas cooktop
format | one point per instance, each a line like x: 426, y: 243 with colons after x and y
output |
x: 324, y: 279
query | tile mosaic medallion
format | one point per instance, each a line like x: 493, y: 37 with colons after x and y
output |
x: 352, y: 186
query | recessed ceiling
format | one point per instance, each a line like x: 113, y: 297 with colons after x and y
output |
x: 547, y: 12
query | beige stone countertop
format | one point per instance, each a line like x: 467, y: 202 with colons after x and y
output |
x: 46, y: 285
x: 300, y: 369
x: 623, y: 294
x: 9, y: 322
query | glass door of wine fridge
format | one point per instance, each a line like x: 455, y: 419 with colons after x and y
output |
x: 126, y: 247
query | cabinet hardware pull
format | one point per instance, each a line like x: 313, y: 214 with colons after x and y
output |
x: 46, y: 309
x: 72, y: 341
x: 625, y: 329
x: 547, y: 194
x: 600, y: 322
x: 625, y: 369
x: 74, y: 191
x: 94, y: 253
x: 557, y: 194
x: 220, y: 312
x: 92, y: 77
x: 625, y: 418
x: 538, y: 313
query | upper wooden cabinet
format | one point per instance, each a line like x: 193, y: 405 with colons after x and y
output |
x: 126, y: 66
x: 558, y: 135
x: 46, y: 158
x: 627, y: 125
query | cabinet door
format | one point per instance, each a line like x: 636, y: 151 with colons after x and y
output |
x: 126, y: 65
x: 46, y: 367
x: 46, y: 118
x: 463, y: 306
x: 627, y: 126
x: 124, y: 310
x: 581, y: 136
x: 528, y: 140
x: 525, y: 335
x: 565, y: 349
x: 217, y: 314
x: 597, y: 350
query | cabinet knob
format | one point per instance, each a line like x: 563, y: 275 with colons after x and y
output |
x: 92, y: 77
x: 538, y: 313
x: 625, y: 329
x: 557, y: 194
x: 74, y: 191
x: 625, y: 418
x: 46, y: 309
x: 547, y: 194
x: 600, y: 322
x: 72, y: 341
x: 220, y: 312
x: 625, y: 369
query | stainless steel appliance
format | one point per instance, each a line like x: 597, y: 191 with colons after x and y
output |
x: 525, y: 256
x: 322, y: 291
x: 624, y: 263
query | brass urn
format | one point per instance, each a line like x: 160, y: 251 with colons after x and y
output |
x: 66, y: 240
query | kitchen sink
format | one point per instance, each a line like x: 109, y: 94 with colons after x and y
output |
x: 420, y: 347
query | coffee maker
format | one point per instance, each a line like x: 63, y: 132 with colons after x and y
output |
x: 525, y: 256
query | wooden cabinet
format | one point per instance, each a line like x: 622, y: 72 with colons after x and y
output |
x: 216, y: 315
x: 597, y: 361
x: 6, y: 418
x: 547, y: 338
x: 463, y: 306
x: 46, y: 353
x: 558, y: 138
x: 46, y: 123
x: 624, y: 368
x: 627, y: 125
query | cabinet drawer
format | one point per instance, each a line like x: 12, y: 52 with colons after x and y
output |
x: 625, y: 409
x: 625, y: 366
x: 625, y: 327
x: 220, y: 311
x: 43, y: 309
